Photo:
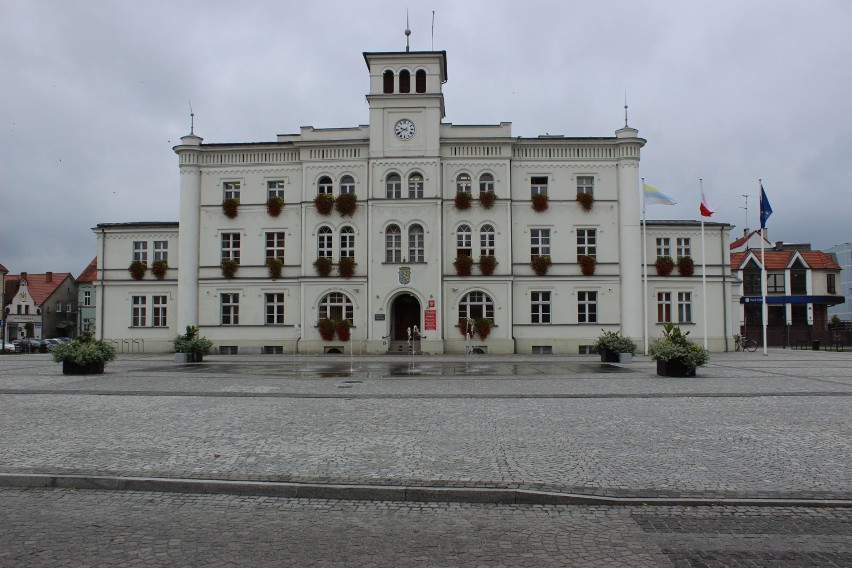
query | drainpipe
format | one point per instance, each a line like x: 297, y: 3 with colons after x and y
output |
x: 724, y: 286
x: 100, y: 301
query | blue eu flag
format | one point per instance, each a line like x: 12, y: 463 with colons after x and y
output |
x: 765, y: 208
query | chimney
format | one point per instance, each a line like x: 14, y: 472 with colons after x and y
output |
x: 48, y: 276
x: 779, y: 245
x: 23, y: 275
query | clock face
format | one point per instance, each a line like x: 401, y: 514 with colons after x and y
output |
x: 404, y: 129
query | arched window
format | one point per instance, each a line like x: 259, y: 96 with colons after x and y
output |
x: 486, y: 240
x: 463, y: 183
x: 347, y: 185
x: 416, y: 251
x: 393, y: 186
x: 415, y: 186
x: 347, y: 242
x: 420, y: 81
x: 486, y: 183
x: 324, y: 242
x: 404, y: 81
x: 324, y: 185
x: 387, y: 81
x: 475, y: 305
x: 464, y: 245
x: 336, y: 306
x: 393, y: 244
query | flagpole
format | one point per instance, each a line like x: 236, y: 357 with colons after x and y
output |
x: 764, y: 309
x: 703, y: 269
x: 644, y: 272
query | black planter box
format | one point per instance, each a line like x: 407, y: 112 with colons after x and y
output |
x: 72, y: 368
x: 674, y: 368
x: 608, y: 356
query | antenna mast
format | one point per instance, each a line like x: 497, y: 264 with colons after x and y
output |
x: 191, y: 118
x: 746, y: 209
x: 625, y: 109
x: 433, y: 30
x: 407, y: 31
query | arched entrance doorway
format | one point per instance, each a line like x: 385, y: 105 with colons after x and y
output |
x: 405, y: 313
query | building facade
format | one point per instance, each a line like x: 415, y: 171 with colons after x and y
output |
x: 407, y: 228
x: 42, y: 305
x: 843, y: 254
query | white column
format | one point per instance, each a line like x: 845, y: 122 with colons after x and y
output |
x: 189, y: 231
x: 630, y: 232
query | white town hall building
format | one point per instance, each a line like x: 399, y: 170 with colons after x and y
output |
x: 411, y: 238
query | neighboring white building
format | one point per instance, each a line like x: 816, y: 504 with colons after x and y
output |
x: 843, y: 254
x: 406, y: 168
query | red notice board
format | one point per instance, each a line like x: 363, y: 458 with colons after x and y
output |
x: 430, y: 320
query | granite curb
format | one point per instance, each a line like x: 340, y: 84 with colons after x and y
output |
x: 358, y: 492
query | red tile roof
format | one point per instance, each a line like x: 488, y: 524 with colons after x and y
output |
x: 779, y: 259
x: 90, y: 273
x: 744, y: 239
x: 38, y: 286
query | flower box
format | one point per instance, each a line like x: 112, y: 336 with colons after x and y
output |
x: 462, y: 200
x: 487, y: 264
x: 463, y: 265
x: 274, y: 205
x: 346, y: 204
x: 540, y: 202
x: 587, y: 263
x: 486, y: 199
x: 664, y: 265
x: 540, y: 264
x: 230, y: 207
x: 324, y: 202
x: 323, y: 266
x: 685, y: 266
x: 586, y: 200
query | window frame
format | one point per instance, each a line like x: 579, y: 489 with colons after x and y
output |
x: 336, y: 306
x: 138, y: 311
x: 487, y: 240
x: 346, y: 239
x: 486, y: 183
x: 347, y: 185
x: 586, y: 184
x: 416, y: 244
x: 325, y: 242
x: 476, y: 304
x: 140, y: 251
x: 464, y: 183
x: 229, y: 308
x: 325, y: 186
x: 275, y: 244
x: 230, y: 246
x: 231, y: 189
x: 587, y: 242
x: 683, y: 247
x: 539, y: 185
x: 393, y: 244
x: 539, y: 242
x: 415, y: 187
x: 161, y: 251
x: 664, y: 307
x: 274, y: 308
x: 464, y: 240
x: 664, y: 247
x: 587, y: 306
x: 275, y: 188
x: 684, y: 307
x: 87, y: 298
x: 393, y: 186
x: 159, y: 311
x: 541, y: 308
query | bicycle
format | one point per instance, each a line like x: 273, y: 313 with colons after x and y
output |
x: 743, y: 343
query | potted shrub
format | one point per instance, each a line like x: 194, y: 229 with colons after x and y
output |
x: 137, y: 269
x: 685, y: 266
x: 539, y: 202
x: 462, y: 200
x: 585, y: 200
x: 587, y: 263
x: 540, y: 264
x: 158, y: 269
x: 487, y: 264
x: 463, y: 264
x: 664, y: 265
x: 343, y: 330
x: 189, y: 348
x: 346, y: 267
x: 482, y: 327
x: 230, y: 206
x: 274, y: 205
x: 84, y: 355
x: 275, y: 265
x: 323, y: 265
x: 675, y: 354
x: 346, y: 203
x: 229, y: 268
x: 487, y: 199
x: 326, y: 328
x: 612, y: 347
x: 324, y: 203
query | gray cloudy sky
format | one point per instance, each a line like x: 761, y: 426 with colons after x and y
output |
x: 94, y: 95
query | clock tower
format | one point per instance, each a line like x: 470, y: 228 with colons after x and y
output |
x: 406, y: 103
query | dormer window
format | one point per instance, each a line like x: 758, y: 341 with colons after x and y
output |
x: 420, y: 81
x: 404, y: 81
x: 387, y: 78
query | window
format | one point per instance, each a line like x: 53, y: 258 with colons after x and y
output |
x: 464, y: 241
x: 275, y: 245
x: 538, y: 185
x: 347, y: 242
x: 587, y: 307
x: 140, y: 251
x: 486, y: 183
x: 486, y: 240
x: 159, y: 309
x: 684, y: 307
x: 476, y: 305
x: 70, y: 307
x: 324, y: 186
x: 586, y: 184
x: 587, y: 242
x: 393, y: 244
x: 324, y: 242
x: 161, y: 251
x: 404, y: 81
x: 540, y: 307
x: 58, y: 307
x: 275, y: 188
x: 26, y: 309
x: 664, y: 307
x: 416, y: 248
x: 231, y: 247
x: 684, y: 247
x: 775, y: 283
x: 393, y: 187
x: 336, y: 306
x: 273, y: 350
x: 139, y: 311
x: 275, y: 308
x: 387, y: 81
x: 231, y: 189
x: 230, y: 309
x: 420, y: 81
x: 539, y: 242
x: 347, y: 185
x: 415, y: 186
x: 87, y: 297
x: 542, y: 350
x: 463, y: 183
x: 664, y: 247
x: 831, y: 283
x: 798, y: 278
